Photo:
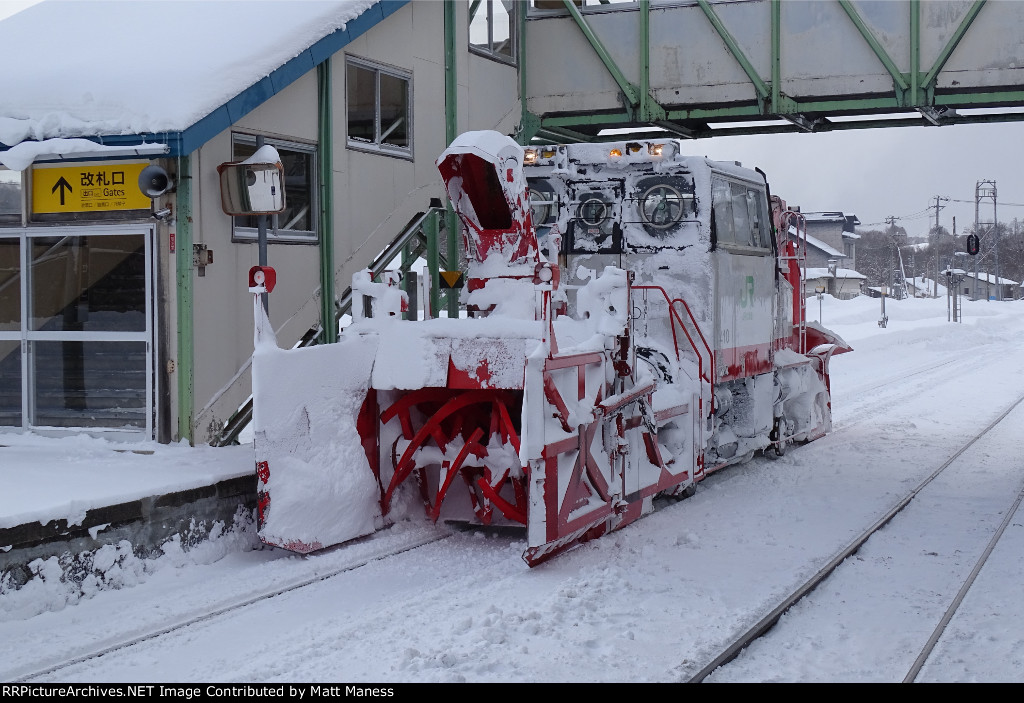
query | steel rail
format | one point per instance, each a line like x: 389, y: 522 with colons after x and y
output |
x: 955, y: 605
x: 769, y: 620
x: 418, y: 541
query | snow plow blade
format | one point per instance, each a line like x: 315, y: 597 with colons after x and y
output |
x: 309, y: 455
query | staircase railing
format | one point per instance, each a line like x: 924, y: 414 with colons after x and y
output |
x: 411, y: 243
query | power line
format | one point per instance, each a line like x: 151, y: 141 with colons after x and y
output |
x: 1001, y: 204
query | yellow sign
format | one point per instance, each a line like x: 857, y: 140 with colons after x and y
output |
x: 88, y: 187
x: 450, y: 279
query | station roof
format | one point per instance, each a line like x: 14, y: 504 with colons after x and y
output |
x: 162, y: 71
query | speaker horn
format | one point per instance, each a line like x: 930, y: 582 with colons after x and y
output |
x: 154, y: 181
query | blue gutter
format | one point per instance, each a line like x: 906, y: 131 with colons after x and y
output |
x: 185, y: 142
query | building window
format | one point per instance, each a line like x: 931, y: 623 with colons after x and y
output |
x: 492, y: 25
x: 10, y: 196
x: 298, y: 222
x: 379, y: 108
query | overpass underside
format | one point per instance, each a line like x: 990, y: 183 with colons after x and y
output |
x: 711, y: 68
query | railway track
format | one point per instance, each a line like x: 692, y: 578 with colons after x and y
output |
x: 393, y: 548
x: 768, y: 621
x: 435, y: 591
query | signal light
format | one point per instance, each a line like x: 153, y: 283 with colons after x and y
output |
x: 972, y: 244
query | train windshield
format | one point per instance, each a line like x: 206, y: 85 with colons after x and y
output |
x: 741, y: 215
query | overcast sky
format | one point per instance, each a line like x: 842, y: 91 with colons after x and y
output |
x: 875, y: 173
x: 878, y: 173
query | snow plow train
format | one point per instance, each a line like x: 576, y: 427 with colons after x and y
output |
x: 635, y: 320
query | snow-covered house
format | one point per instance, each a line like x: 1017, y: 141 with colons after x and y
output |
x: 820, y: 256
x: 985, y: 286
x: 837, y: 230
x: 924, y: 287
x: 844, y: 284
x: 124, y: 303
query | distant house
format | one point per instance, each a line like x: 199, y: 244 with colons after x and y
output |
x: 922, y: 287
x: 831, y: 241
x: 843, y: 284
x: 837, y: 230
x: 987, y: 287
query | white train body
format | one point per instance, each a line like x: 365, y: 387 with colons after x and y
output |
x: 635, y: 321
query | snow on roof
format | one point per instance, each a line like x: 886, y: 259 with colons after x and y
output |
x: 823, y: 216
x: 990, y: 278
x: 818, y: 244
x: 840, y: 273
x: 831, y: 216
x: 926, y: 284
x: 95, y: 68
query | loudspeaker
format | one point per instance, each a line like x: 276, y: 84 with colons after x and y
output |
x: 154, y: 181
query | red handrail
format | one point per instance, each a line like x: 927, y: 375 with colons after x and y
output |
x: 676, y: 319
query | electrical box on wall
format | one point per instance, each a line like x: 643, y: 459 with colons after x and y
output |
x: 201, y: 257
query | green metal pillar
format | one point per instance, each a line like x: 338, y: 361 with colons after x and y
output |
x: 451, y: 118
x: 776, y: 56
x: 528, y: 123
x: 326, y: 169
x: 186, y: 302
x: 431, y: 226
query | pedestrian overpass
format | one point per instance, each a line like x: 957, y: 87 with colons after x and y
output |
x: 702, y: 68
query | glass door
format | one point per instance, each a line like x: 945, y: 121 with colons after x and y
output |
x: 85, y: 310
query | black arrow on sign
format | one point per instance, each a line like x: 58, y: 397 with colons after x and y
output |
x: 62, y: 184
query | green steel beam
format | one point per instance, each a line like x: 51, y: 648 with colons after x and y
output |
x: 880, y: 52
x: 915, y: 52
x: 735, y: 50
x: 929, y: 80
x: 834, y: 107
x: 776, y: 55
x: 627, y: 88
x: 528, y: 122
x: 565, y: 133
x: 326, y: 169
x: 650, y: 110
x: 186, y: 303
x: 910, y: 90
x: 645, y: 59
x: 1009, y: 98
x: 451, y: 120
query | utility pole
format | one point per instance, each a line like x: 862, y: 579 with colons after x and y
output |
x: 935, y: 245
x: 891, y: 221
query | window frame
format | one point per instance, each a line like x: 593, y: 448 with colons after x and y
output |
x: 763, y: 247
x: 247, y: 235
x: 20, y: 218
x: 489, y: 51
x: 376, y: 146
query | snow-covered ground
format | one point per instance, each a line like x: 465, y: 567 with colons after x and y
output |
x: 651, y: 603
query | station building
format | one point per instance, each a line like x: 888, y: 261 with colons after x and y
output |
x: 124, y: 307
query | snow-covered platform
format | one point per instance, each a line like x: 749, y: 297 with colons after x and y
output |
x: 74, y: 494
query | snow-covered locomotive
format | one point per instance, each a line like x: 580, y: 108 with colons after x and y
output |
x: 635, y: 320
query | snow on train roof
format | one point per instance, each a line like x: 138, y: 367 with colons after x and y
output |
x: 668, y: 150
x: 95, y: 68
